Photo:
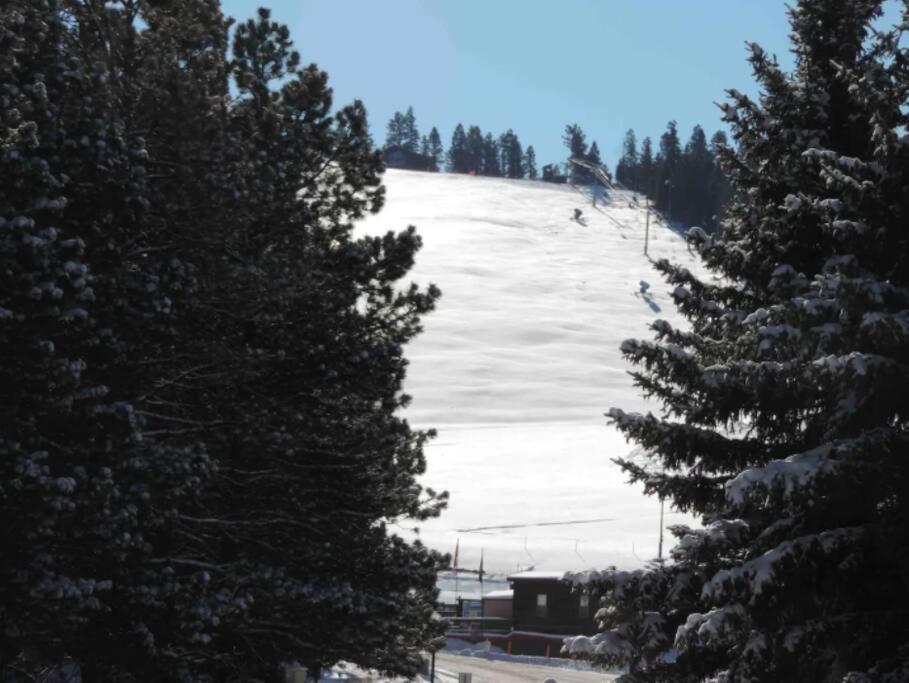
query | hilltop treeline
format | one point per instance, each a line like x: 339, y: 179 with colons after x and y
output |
x: 684, y: 183
x: 470, y: 150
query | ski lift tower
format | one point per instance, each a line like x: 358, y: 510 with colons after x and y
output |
x: 598, y: 172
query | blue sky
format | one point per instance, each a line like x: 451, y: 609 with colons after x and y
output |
x: 535, y: 65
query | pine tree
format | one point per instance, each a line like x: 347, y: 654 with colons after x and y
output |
x: 312, y: 386
x: 718, y: 189
x: 490, y: 165
x: 410, y: 134
x: 435, y: 147
x: 647, y: 169
x: 89, y: 481
x: 457, y: 159
x: 530, y: 163
x: 511, y: 155
x: 516, y: 159
x: 784, y: 421
x: 593, y: 154
x: 626, y: 171
x: 474, y: 149
x: 576, y: 142
x: 666, y: 165
x: 402, y: 131
x: 394, y: 135
x: 201, y: 365
x: 693, y: 206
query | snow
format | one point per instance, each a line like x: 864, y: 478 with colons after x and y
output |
x: 715, y: 626
x: 831, y: 204
x: 792, y: 202
x: 468, y: 648
x: 491, y: 652
x: 793, y: 474
x: 722, y: 531
x: 499, y: 595
x: 758, y: 573
x: 760, y: 315
x: 532, y: 575
x: 605, y: 644
x: 497, y: 667
x: 520, y: 361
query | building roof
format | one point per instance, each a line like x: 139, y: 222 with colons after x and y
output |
x: 499, y: 595
x: 534, y: 575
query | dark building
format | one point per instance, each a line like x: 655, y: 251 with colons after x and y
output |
x: 551, y: 174
x: 396, y: 156
x: 545, y: 608
x: 532, y: 618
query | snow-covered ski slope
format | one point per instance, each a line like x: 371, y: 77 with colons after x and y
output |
x: 521, y: 359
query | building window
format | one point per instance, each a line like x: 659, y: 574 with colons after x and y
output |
x: 584, y: 606
x: 541, y: 604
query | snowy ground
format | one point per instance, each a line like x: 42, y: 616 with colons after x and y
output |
x: 486, y: 668
x: 520, y: 361
x: 449, y: 665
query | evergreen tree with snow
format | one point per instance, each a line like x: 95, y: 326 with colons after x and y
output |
x: 306, y: 324
x: 201, y: 364
x: 718, y: 189
x: 784, y: 406
x: 89, y: 482
x: 530, y: 163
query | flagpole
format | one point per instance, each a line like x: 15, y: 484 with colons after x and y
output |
x: 481, y: 573
x: 482, y: 599
x: 457, y: 590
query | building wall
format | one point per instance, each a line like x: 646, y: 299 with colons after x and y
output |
x: 395, y: 158
x: 563, y: 608
x: 398, y: 157
x: 497, y: 607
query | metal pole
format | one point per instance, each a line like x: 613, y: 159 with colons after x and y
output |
x: 647, y: 224
x: 432, y: 671
x: 660, y: 551
x: 669, y: 200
